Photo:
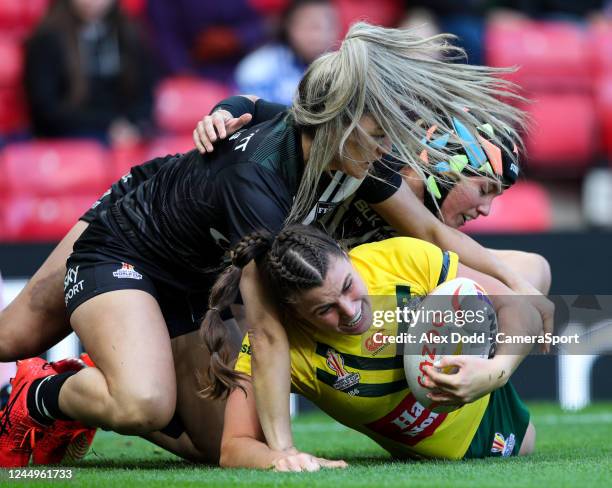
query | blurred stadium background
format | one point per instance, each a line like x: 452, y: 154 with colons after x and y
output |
x: 562, y: 207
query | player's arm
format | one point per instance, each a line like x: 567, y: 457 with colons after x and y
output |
x: 270, y: 361
x: 254, y: 198
x: 230, y: 115
x: 243, y: 443
x: 476, y: 377
x: 407, y: 214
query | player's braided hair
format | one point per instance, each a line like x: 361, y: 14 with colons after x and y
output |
x: 295, y: 260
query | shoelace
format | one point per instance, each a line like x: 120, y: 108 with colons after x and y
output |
x: 5, y: 420
x: 31, y: 435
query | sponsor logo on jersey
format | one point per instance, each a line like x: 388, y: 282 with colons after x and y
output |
x: 408, y: 423
x: 503, y: 445
x: 345, y: 380
x: 324, y: 207
x: 373, y: 346
x: 72, y: 284
x: 127, y: 271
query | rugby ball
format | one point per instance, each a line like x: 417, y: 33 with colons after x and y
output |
x: 456, y: 318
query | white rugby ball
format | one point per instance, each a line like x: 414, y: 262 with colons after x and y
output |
x: 456, y: 318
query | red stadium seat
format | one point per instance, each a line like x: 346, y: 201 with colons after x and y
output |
x: 18, y: 17
x: 379, y: 12
x: 269, y: 7
x: 604, y: 111
x: 11, y: 13
x: 124, y: 157
x: 11, y: 67
x: 548, y: 54
x: 61, y: 167
x: 523, y: 208
x: 562, y: 138
x: 31, y: 218
x: 34, y: 10
x: 13, y: 110
x: 134, y: 8
x: 182, y: 101
x: 600, y: 48
x: 163, y: 146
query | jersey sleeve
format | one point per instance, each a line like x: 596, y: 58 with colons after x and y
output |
x: 261, y: 110
x: 137, y: 175
x: 303, y: 379
x: 383, y: 180
x: 265, y: 110
x: 252, y: 198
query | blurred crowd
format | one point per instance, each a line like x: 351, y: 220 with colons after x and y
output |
x: 136, y: 75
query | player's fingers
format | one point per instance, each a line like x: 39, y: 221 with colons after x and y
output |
x: 327, y: 463
x: 441, y: 380
x: 449, y: 362
x: 444, y: 399
x: 219, y: 124
x: 198, y: 144
x: 311, y: 465
x: 237, y: 123
x: 210, y: 129
x: 548, y: 319
x: 244, y: 119
x: 201, y: 135
x: 280, y: 466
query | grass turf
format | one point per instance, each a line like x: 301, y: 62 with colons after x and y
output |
x: 572, y: 450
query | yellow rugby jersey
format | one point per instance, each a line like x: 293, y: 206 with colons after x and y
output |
x: 361, y: 383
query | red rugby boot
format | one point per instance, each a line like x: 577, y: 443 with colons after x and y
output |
x: 18, y: 431
x: 66, y: 441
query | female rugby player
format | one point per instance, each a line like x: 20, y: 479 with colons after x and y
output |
x: 326, y: 300
x: 140, y: 271
x: 465, y: 193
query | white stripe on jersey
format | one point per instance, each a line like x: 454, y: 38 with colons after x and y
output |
x: 341, y: 187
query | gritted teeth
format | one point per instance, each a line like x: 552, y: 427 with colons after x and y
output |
x: 355, y: 319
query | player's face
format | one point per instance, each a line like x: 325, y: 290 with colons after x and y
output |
x: 92, y: 10
x: 341, y: 304
x: 312, y: 30
x: 469, y: 199
x: 361, y: 151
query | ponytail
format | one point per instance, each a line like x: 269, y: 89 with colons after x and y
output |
x: 215, y: 334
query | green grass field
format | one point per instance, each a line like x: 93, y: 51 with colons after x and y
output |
x: 573, y: 450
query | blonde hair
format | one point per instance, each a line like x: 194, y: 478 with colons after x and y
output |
x: 406, y: 84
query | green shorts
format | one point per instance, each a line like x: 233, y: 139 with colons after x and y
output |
x: 503, y: 426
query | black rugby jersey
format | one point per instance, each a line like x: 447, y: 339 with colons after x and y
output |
x: 191, y: 208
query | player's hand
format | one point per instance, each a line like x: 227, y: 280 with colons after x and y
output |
x: 457, y: 380
x: 542, y: 304
x: 300, y: 461
x: 218, y: 125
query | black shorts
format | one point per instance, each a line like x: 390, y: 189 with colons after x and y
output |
x: 92, y: 274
